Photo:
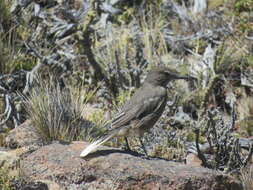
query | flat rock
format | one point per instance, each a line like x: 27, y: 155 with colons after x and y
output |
x: 111, y: 168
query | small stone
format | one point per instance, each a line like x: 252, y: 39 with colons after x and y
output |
x: 193, y: 160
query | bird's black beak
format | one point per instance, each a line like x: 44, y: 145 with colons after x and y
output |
x: 185, y: 77
x: 180, y: 76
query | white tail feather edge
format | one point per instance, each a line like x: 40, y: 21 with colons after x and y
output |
x: 93, y: 146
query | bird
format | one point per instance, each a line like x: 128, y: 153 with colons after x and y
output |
x: 142, y: 110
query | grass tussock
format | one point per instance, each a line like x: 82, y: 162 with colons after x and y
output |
x: 58, y: 114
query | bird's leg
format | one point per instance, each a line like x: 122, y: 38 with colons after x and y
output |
x: 127, y: 147
x: 143, y: 147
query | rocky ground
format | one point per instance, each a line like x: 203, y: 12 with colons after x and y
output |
x: 58, y: 166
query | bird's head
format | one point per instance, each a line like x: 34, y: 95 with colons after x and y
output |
x: 161, y: 75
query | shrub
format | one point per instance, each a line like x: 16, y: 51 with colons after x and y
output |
x: 243, y: 5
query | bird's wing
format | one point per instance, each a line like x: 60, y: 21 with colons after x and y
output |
x: 136, y: 109
x: 124, y: 117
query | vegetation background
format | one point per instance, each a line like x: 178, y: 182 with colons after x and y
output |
x: 69, y: 65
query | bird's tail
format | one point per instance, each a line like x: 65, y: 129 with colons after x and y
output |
x: 93, y: 146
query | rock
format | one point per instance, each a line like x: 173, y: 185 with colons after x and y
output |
x: 111, y: 168
x: 193, y: 160
x: 22, y: 136
x: 9, y: 162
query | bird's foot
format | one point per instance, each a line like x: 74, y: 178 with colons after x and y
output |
x: 126, y: 147
x: 146, y: 157
x: 143, y: 148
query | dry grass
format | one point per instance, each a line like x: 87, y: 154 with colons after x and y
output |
x: 124, y: 50
x: 5, y: 180
x: 245, y: 110
x: 247, y: 177
x: 57, y: 114
x: 152, y: 26
x: 6, y: 37
x: 11, y: 57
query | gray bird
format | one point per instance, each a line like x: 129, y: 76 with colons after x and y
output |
x: 143, y: 109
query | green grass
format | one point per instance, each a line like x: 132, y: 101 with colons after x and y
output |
x: 243, y: 5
